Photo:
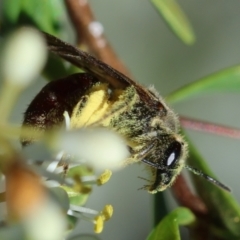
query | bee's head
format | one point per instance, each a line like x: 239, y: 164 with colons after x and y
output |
x: 169, y: 166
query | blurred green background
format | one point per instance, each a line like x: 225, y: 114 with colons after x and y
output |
x: 155, y: 56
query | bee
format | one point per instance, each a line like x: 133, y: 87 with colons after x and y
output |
x: 102, y: 96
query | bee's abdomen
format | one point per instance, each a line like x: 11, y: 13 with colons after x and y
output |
x: 47, y: 108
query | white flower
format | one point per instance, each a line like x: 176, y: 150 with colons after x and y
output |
x: 46, y: 222
x: 100, y: 148
x: 24, y: 56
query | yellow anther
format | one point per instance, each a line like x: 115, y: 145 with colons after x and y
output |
x: 104, y: 177
x: 98, y: 224
x: 107, y: 212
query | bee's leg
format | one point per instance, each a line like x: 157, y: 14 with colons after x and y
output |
x: 138, y: 155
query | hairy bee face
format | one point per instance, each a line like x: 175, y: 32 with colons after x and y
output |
x: 104, y: 97
x: 171, y: 163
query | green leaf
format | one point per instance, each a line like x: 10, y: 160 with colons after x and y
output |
x: 223, y: 208
x: 176, y: 19
x: 11, y: 9
x: 225, y: 80
x: 54, y: 69
x: 168, y: 228
x: 46, y: 14
x: 160, y: 207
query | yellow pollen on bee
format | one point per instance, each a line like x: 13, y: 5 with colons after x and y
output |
x: 95, y: 109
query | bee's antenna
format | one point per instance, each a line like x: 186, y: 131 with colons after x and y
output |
x: 208, y: 178
x: 193, y: 170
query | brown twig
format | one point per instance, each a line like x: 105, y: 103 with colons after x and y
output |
x: 208, y: 127
x: 90, y: 34
x: 186, y: 198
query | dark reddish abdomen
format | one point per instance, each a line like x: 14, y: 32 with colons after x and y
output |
x: 47, y: 108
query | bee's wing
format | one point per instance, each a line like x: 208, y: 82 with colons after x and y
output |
x: 87, y: 62
x: 98, y: 68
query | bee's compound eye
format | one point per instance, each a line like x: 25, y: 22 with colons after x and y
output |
x: 172, y: 153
